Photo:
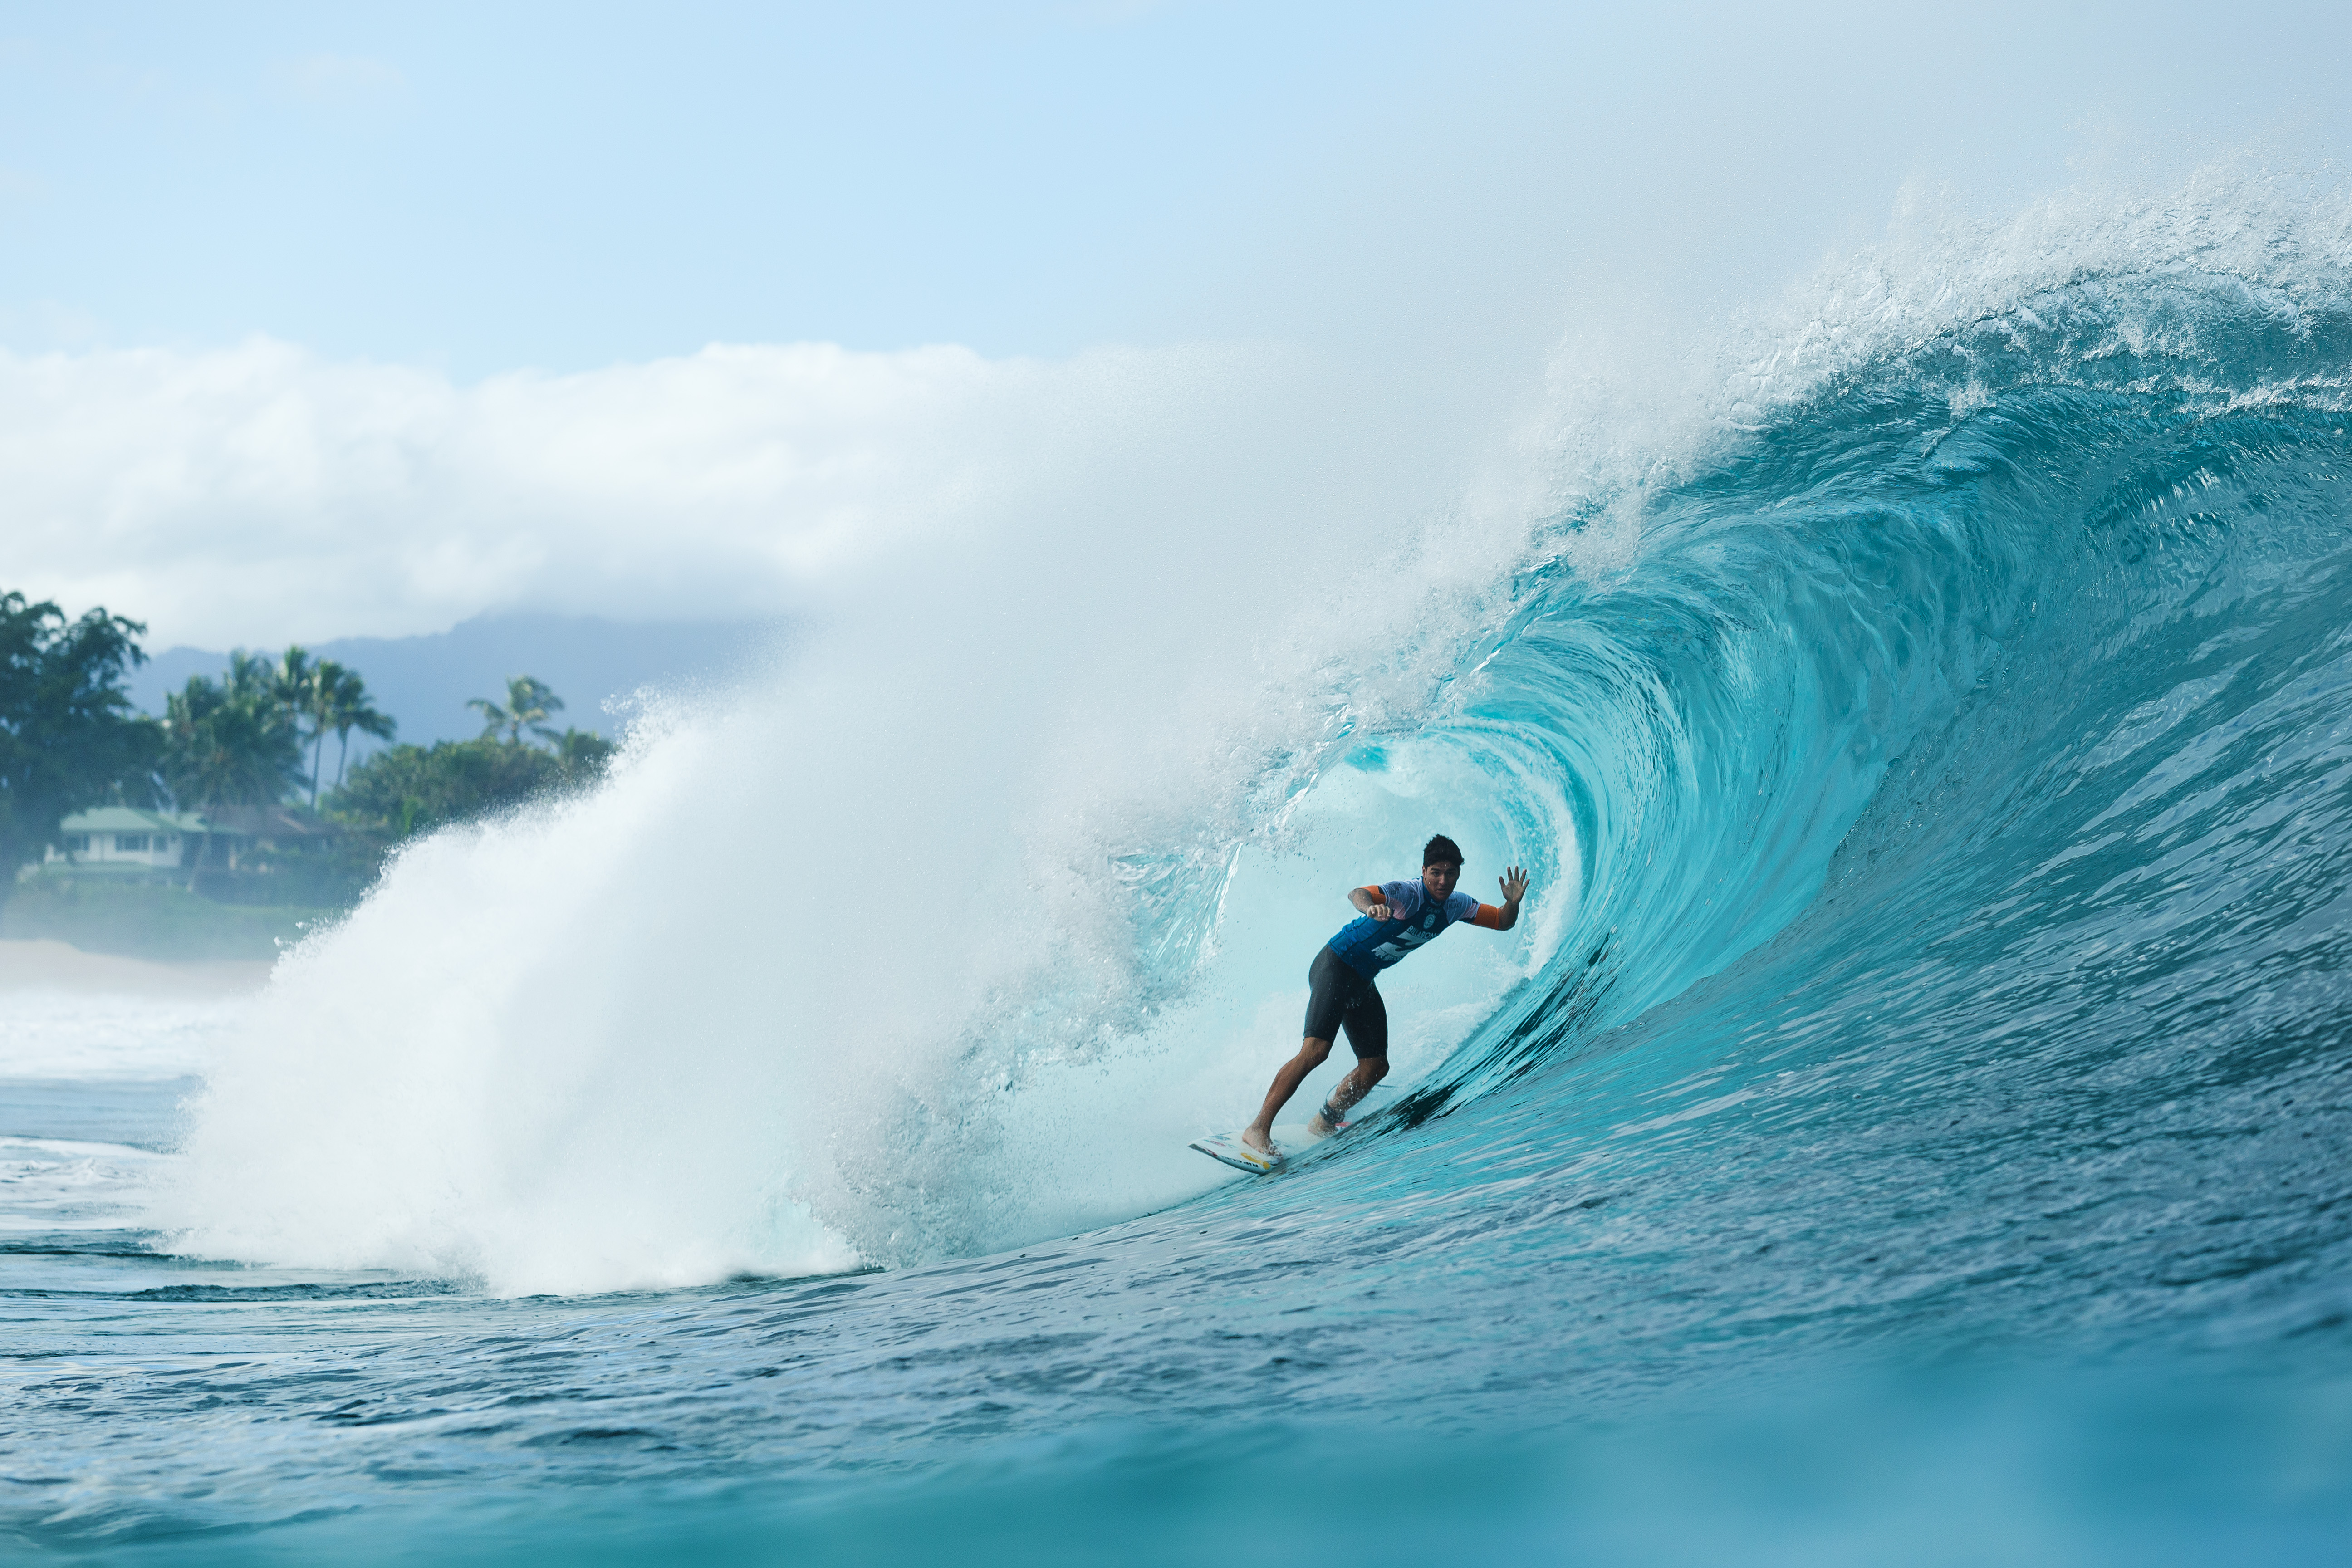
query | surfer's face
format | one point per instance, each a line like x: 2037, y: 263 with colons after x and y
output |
x: 1440, y: 880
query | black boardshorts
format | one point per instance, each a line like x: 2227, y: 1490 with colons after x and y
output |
x: 1335, y: 997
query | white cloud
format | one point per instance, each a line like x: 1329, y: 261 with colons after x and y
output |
x: 260, y: 493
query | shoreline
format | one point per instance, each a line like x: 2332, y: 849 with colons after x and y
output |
x: 44, y: 964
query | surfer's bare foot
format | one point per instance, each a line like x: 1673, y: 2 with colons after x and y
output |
x: 1260, y: 1141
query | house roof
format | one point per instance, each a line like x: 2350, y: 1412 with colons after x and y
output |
x: 266, y: 822
x: 253, y: 821
x: 130, y: 819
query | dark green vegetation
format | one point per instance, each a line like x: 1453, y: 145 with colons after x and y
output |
x: 281, y: 847
x: 235, y: 742
x: 240, y: 741
x: 406, y: 790
x: 68, y: 738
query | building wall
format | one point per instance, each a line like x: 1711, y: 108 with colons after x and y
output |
x: 162, y: 850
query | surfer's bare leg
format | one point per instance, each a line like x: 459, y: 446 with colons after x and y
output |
x: 1259, y: 1135
x: 1369, y: 1072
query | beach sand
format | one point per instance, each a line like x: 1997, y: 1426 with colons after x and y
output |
x: 44, y: 965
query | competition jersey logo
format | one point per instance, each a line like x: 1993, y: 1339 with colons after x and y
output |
x: 1405, y: 941
x: 1368, y: 946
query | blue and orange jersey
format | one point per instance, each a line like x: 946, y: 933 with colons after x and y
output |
x: 1368, y: 946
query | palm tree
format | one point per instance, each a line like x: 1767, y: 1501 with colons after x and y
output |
x: 300, y: 685
x: 315, y: 701
x: 347, y: 709
x: 254, y: 680
x: 294, y: 676
x: 232, y: 742
x: 528, y: 704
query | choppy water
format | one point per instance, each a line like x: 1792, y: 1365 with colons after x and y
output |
x: 1915, y: 1127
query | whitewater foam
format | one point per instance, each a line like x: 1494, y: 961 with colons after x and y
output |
x: 82, y: 1036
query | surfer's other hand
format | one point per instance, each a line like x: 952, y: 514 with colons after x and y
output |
x: 1515, y: 885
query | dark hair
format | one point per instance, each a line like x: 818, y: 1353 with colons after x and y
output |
x: 1440, y: 850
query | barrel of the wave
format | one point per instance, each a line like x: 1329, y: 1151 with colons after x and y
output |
x: 1394, y: 921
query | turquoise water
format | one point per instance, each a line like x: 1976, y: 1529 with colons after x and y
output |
x: 1920, y: 1137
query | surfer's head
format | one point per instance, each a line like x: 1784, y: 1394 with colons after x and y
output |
x: 1440, y: 866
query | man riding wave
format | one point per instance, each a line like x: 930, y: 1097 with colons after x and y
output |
x: 1393, y: 920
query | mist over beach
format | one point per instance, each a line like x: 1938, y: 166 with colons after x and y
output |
x: 682, y: 692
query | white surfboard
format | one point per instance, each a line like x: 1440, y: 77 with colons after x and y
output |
x: 1293, y: 1139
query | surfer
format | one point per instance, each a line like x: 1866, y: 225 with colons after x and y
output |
x: 1392, y: 920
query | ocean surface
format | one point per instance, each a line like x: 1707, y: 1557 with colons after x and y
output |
x: 1912, y: 1123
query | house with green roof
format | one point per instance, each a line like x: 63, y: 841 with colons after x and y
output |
x: 125, y: 841
x: 132, y: 844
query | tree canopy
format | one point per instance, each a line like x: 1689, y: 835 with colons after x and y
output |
x: 528, y: 705
x: 344, y: 706
x: 69, y: 736
x: 69, y: 739
x: 407, y: 790
x: 403, y: 790
x: 235, y: 741
x: 238, y: 741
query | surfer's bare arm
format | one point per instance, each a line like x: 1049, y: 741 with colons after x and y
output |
x: 1514, y: 887
x: 1370, y: 901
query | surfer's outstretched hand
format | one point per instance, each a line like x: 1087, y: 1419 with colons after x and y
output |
x: 1515, y: 885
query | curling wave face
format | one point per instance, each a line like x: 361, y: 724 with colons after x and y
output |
x: 1963, y: 767
x: 1959, y: 728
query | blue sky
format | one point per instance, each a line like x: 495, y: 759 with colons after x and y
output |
x: 486, y: 187
x: 479, y: 188
x: 283, y: 287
